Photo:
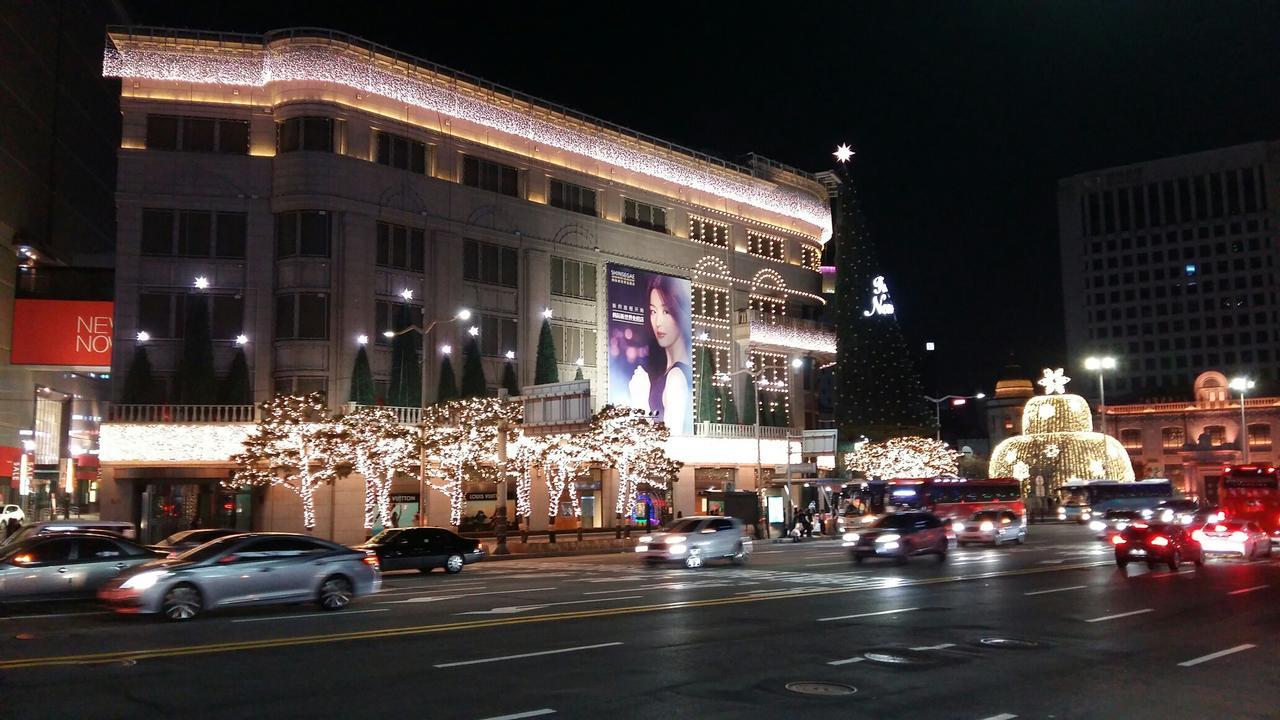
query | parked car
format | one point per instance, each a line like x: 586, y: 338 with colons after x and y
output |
x: 423, y: 549
x: 65, y: 565
x: 11, y: 511
x: 180, y: 542
x: 990, y: 526
x: 123, y: 529
x: 1156, y: 543
x: 899, y: 536
x: 1234, y: 537
x: 246, y: 569
x: 694, y: 540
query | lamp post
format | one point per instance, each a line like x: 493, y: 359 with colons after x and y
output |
x: 1241, y: 385
x: 956, y: 400
x: 757, y: 378
x: 1100, y: 365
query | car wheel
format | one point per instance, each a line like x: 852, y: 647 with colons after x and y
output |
x: 1122, y: 564
x: 996, y: 541
x: 942, y: 553
x: 1174, y: 560
x: 335, y: 593
x: 694, y: 559
x: 181, y: 602
x: 740, y: 555
x: 962, y: 543
x: 1021, y: 539
x: 1200, y: 559
x: 454, y: 564
x: 858, y: 558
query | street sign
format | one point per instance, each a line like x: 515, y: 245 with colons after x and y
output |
x: 819, y: 442
x: 796, y: 469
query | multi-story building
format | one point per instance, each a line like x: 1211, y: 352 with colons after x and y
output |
x: 326, y: 192
x: 1170, y: 266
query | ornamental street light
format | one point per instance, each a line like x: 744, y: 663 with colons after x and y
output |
x: 462, y: 315
x: 956, y: 401
x: 1101, y: 365
x: 759, y: 381
x: 1242, y: 385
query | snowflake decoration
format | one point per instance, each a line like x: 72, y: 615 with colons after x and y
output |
x: 1052, y: 451
x: 1047, y: 411
x: 1021, y: 471
x: 1096, y: 469
x: 1054, y: 382
x: 843, y: 153
x: 1010, y: 456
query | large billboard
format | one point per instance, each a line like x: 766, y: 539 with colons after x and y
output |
x: 73, y: 333
x: 651, y: 345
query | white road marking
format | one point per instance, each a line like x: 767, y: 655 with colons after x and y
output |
x: 434, y: 598
x: 55, y: 615
x: 518, y: 716
x: 1001, y: 716
x: 310, y: 615
x: 845, y: 562
x: 846, y: 661
x: 882, y: 612
x: 1052, y: 562
x: 1062, y: 589
x: 1119, y: 615
x: 1215, y: 656
x: 513, y: 609
x: 606, y: 592
x: 527, y: 655
x: 409, y: 591
x: 767, y: 552
x: 1169, y: 573
x: 1242, y: 591
x: 943, y: 646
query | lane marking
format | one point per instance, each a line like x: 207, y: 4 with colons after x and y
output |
x: 299, y: 640
x: 943, y: 646
x: 1120, y: 615
x: 513, y: 609
x: 847, y: 661
x: 606, y: 592
x: 435, y: 598
x: 845, y: 562
x: 869, y: 614
x: 529, y: 714
x: 1248, y: 589
x: 1169, y: 573
x: 1061, y: 589
x: 55, y: 615
x: 767, y: 552
x: 500, y: 658
x: 1215, y: 656
x: 310, y: 615
x: 1001, y: 716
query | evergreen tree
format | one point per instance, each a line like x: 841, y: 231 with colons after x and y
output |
x: 197, y: 382
x: 509, y: 380
x: 730, y: 407
x: 878, y: 390
x: 361, y: 380
x: 749, y: 401
x: 405, y: 386
x: 706, y: 410
x: 474, y: 384
x: 546, y: 370
x: 237, y: 388
x: 140, y: 388
x: 577, y: 375
x: 448, y: 388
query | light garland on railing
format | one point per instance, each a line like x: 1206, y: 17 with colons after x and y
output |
x: 309, y: 61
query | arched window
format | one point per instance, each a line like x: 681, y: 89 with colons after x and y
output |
x: 1131, y: 438
x: 1259, y: 436
x: 1172, y: 438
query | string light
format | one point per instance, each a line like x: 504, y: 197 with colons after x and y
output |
x: 379, y: 449
x: 708, y: 232
x: 904, y: 457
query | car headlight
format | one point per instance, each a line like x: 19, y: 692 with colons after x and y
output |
x: 1121, y: 525
x: 1086, y: 515
x: 851, y: 537
x: 677, y: 549
x: 646, y: 539
x: 642, y: 548
x: 676, y: 539
x: 891, y: 537
x: 957, y: 527
x: 143, y: 580
x: 1061, y: 509
x: 1097, y: 526
x: 987, y: 526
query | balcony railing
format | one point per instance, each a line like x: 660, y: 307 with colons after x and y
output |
x: 785, y: 333
x: 725, y: 430
x: 182, y: 413
x: 1189, y: 406
x: 404, y: 415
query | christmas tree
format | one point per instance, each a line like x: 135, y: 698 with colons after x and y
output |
x: 447, y: 389
x: 405, y: 386
x: 509, y: 380
x: 474, y: 384
x: 140, y: 388
x: 197, y: 382
x: 237, y: 388
x: 878, y: 391
x: 730, y: 407
x: 546, y: 371
x: 707, y: 395
x: 361, y: 380
x: 750, y: 402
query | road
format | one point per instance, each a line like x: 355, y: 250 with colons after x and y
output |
x: 1050, y: 629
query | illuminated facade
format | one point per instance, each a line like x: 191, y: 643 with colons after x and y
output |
x: 327, y: 189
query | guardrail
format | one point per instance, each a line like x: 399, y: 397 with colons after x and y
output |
x: 725, y: 430
x: 125, y: 413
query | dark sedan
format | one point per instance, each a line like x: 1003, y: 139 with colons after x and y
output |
x: 1156, y: 543
x: 180, y: 542
x: 423, y: 549
x: 65, y: 566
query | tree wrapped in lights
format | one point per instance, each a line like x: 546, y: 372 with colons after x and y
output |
x: 296, y: 446
x: 509, y: 381
x: 707, y: 394
x: 460, y: 440
x: 904, y: 457
x: 632, y: 443
x: 197, y: 383
x: 379, y: 448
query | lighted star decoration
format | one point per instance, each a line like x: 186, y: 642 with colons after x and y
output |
x: 843, y: 153
x: 1054, y: 382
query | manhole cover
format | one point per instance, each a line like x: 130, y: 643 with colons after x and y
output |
x: 899, y: 657
x: 824, y: 689
x: 1008, y: 643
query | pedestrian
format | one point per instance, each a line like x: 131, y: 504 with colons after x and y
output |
x: 395, y: 517
x: 807, y: 520
x: 11, y: 526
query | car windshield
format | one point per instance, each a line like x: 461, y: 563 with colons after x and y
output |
x: 1228, y: 526
x: 895, y: 521
x: 23, y: 533
x: 684, y: 526
x: 1123, y: 515
x: 385, y: 536
x: 208, y: 550
x: 985, y: 515
x: 1180, y: 505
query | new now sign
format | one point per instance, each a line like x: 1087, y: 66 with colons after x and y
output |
x: 73, y: 333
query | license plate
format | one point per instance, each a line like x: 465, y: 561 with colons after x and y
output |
x: 1137, y: 553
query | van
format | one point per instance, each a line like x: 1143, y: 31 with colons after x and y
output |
x: 125, y: 529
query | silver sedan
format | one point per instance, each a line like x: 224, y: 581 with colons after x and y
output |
x: 990, y: 526
x: 694, y: 540
x: 248, y: 569
x: 65, y: 566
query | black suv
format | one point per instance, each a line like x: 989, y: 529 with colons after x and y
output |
x: 423, y: 549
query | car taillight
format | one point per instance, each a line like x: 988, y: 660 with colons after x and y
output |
x: 371, y: 559
x: 1239, y: 536
x: 1160, y: 541
x: 1117, y: 540
x: 1198, y: 535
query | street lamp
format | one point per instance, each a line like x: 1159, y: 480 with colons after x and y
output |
x: 1099, y: 365
x: 462, y: 315
x: 956, y: 400
x: 757, y: 378
x: 1241, y: 385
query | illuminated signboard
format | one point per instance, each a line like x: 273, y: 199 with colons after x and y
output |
x: 650, y: 345
x: 75, y: 333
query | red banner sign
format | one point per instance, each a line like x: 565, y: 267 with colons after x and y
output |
x: 62, y: 332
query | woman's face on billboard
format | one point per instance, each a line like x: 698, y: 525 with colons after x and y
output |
x: 660, y: 319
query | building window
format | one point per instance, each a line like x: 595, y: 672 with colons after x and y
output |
x: 766, y: 246
x: 571, y: 278
x: 497, y: 335
x: 401, y: 152
x: 810, y: 257
x: 710, y: 302
x: 708, y: 232
x: 302, y: 316
x: 575, y: 198
x: 1217, y: 434
x: 573, y: 342
x: 491, y: 176
x: 1131, y: 439
x: 769, y: 310
x: 400, y: 247
x: 196, y: 134
x: 489, y: 263
x: 392, y: 317
x: 302, y: 233
x: 1259, y: 436
x: 194, y: 233
x: 1172, y: 438
x: 305, y: 133
x: 163, y: 314
x: 301, y: 386
x: 649, y: 217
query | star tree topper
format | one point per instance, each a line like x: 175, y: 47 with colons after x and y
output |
x: 1054, y: 382
x: 843, y: 153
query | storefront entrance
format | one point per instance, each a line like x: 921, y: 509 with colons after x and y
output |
x: 167, y: 507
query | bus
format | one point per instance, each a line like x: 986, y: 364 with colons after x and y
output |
x: 1252, y: 492
x: 1080, y: 500
x: 956, y: 498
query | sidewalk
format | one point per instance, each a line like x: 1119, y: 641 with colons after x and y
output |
x: 540, y: 547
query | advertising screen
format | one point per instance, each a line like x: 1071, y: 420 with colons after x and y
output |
x: 62, y: 332
x: 651, y: 345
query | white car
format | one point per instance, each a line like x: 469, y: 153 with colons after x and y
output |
x: 1234, y: 537
x: 990, y: 526
x: 12, y: 511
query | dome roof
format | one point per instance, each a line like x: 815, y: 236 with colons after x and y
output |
x: 1014, y: 383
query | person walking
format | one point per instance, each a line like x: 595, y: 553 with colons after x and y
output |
x: 11, y: 526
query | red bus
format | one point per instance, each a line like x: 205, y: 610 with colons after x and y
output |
x: 1252, y: 492
x: 954, y: 498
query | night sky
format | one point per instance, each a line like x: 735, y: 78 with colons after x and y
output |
x: 963, y: 115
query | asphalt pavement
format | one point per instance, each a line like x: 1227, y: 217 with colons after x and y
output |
x: 1049, y: 629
